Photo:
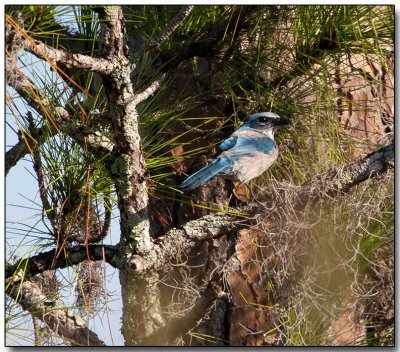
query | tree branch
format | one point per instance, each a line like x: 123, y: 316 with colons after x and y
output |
x: 148, y: 92
x: 332, y: 183
x: 19, y: 150
x: 69, y: 327
x: 339, y: 180
x: 37, y: 167
x: 181, y: 239
x: 59, y: 120
x: 69, y: 59
x: 54, y: 56
x: 47, y: 260
x: 126, y: 164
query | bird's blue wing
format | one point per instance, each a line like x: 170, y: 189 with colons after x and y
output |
x: 228, y: 143
x: 247, y: 145
x: 217, y: 167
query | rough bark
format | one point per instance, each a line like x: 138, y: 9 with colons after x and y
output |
x: 140, y: 298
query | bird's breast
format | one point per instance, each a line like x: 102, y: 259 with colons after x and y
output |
x: 248, y: 167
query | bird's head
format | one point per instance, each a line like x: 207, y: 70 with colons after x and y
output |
x: 264, y: 121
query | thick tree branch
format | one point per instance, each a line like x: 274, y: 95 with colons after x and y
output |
x: 111, y: 39
x: 126, y: 164
x: 69, y: 327
x: 71, y: 256
x: 182, y: 239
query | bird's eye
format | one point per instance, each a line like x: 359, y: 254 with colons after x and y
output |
x: 263, y: 119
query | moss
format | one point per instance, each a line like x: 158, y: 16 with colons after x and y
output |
x: 121, y: 172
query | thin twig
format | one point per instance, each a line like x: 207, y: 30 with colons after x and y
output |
x: 41, y: 178
x: 171, y: 27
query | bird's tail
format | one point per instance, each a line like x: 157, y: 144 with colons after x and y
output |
x: 203, y: 175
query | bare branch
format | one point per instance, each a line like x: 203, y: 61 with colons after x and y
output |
x: 54, y: 56
x: 71, y: 256
x: 70, y: 327
x: 148, y: 92
x: 69, y: 59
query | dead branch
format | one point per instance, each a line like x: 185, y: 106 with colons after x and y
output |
x: 148, y: 92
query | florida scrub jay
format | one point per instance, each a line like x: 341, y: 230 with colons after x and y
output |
x: 246, y: 154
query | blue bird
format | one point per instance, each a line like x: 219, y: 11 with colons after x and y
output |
x: 246, y: 154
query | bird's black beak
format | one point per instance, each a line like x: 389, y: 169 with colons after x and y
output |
x: 282, y: 121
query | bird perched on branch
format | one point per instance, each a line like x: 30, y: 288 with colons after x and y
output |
x: 246, y: 154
